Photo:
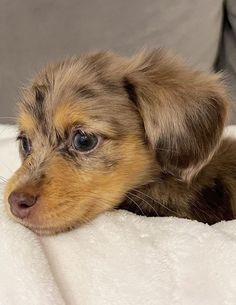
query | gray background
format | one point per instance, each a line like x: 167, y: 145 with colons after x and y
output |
x: 33, y: 33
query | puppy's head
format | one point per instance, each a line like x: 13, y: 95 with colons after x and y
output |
x: 94, y: 127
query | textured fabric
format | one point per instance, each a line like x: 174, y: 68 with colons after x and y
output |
x: 35, y: 32
x: 117, y: 259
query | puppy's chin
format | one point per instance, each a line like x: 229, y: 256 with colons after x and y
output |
x: 47, y: 231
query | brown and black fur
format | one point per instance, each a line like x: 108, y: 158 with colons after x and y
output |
x: 161, y: 153
x: 207, y: 199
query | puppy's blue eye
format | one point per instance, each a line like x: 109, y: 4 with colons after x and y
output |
x: 25, y: 145
x: 84, y: 142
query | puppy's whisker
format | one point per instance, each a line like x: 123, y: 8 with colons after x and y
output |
x: 8, y: 168
x: 6, y: 127
x: 67, y: 205
x: 136, y: 204
x: 158, y: 202
x: 108, y: 202
x: 3, y: 179
x: 2, y: 184
x: 167, y: 150
x: 87, y: 195
x: 204, y: 212
x: 102, y: 201
x: 195, y: 205
x: 145, y: 202
x: 8, y: 117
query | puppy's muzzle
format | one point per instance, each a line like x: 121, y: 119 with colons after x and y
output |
x: 21, y: 203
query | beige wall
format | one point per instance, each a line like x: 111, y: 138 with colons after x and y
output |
x: 35, y: 32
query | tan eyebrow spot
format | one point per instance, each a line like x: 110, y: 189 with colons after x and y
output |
x: 26, y: 122
x: 69, y: 114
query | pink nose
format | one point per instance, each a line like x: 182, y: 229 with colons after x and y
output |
x: 21, y: 203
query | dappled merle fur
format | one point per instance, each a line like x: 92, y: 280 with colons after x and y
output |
x: 161, y: 151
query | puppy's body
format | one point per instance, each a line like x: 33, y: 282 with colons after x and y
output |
x: 210, y: 198
x: 101, y: 131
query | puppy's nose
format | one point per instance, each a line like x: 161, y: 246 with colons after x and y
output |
x: 20, y: 203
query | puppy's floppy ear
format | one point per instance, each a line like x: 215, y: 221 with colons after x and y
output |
x: 183, y: 110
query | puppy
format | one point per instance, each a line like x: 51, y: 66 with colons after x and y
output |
x: 99, y: 131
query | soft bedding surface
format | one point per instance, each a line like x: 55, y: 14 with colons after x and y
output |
x: 119, y: 258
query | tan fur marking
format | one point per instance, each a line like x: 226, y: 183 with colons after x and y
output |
x: 26, y: 123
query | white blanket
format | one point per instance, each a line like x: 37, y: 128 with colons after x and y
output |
x: 119, y: 258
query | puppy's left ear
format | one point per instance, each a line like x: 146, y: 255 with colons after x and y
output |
x: 183, y: 111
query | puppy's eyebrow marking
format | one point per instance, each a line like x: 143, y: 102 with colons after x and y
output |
x: 39, y: 93
x: 86, y: 92
x: 130, y: 90
x: 37, y: 109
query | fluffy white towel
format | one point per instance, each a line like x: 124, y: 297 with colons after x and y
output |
x: 118, y: 259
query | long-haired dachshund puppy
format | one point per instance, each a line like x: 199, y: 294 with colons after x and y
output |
x: 144, y: 133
